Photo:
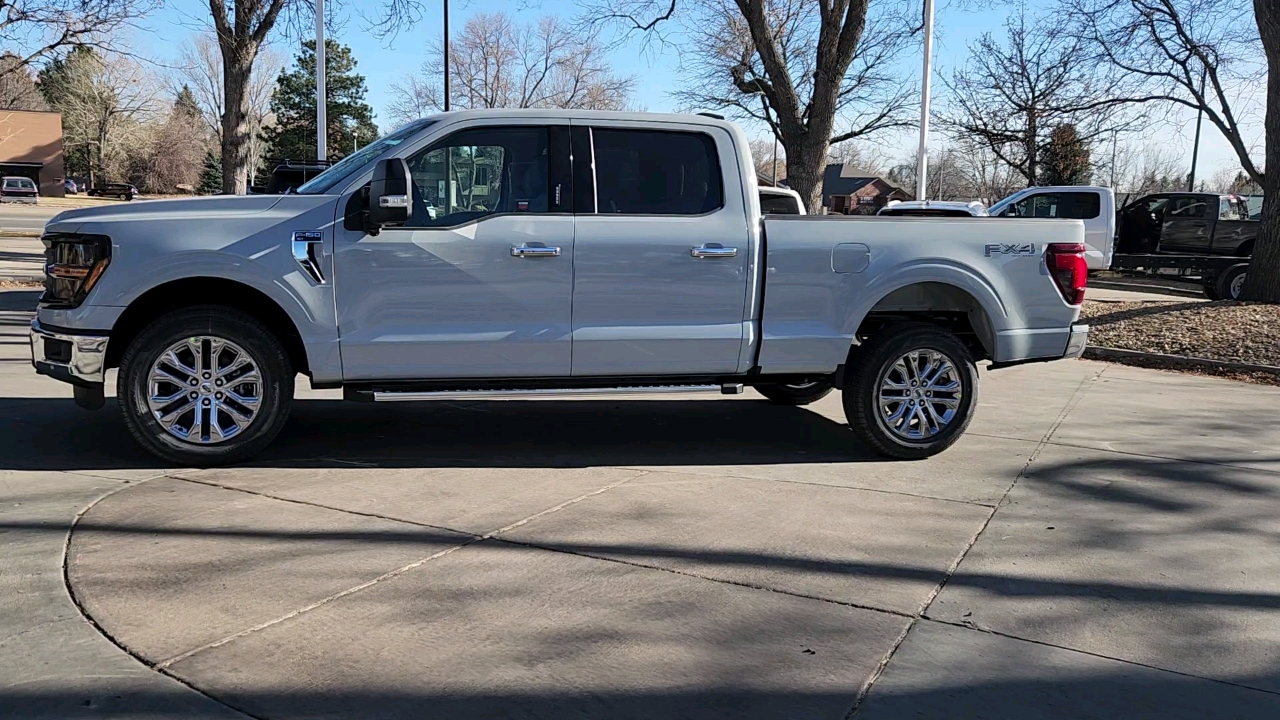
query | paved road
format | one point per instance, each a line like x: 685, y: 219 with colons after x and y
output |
x: 1102, y: 544
x: 25, y: 218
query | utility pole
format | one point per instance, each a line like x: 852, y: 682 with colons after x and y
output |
x: 446, y: 55
x: 1195, y: 150
x: 922, y: 165
x: 322, y: 124
x: 774, y: 179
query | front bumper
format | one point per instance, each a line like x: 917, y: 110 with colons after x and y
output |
x: 73, y: 358
x: 1077, y: 341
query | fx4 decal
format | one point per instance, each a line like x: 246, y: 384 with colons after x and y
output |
x: 1015, y: 249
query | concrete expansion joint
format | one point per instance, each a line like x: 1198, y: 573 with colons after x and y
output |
x: 1081, y: 390
x: 472, y: 540
x: 969, y: 625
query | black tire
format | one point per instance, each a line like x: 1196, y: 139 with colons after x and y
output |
x: 872, y: 362
x: 1228, y: 284
x: 1211, y: 291
x: 275, y: 388
x: 780, y: 394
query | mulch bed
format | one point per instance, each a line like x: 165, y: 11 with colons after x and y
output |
x: 1224, y: 330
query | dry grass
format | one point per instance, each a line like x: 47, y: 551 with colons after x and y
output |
x: 1224, y: 330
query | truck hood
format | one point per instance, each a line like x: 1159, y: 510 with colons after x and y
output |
x: 205, y: 209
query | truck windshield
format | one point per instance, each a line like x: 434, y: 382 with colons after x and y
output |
x: 358, y: 160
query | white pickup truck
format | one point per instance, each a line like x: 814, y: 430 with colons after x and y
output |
x: 507, y: 253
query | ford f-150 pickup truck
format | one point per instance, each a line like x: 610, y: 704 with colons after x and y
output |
x: 517, y: 253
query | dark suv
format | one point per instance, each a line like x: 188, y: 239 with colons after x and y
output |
x: 123, y: 191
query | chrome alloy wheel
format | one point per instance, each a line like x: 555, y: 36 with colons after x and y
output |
x: 204, y: 390
x: 920, y: 394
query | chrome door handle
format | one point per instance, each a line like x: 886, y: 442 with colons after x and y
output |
x: 714, y: 250
x: 534, y: 251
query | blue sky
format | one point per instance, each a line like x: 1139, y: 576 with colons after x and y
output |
x: 384, y: 62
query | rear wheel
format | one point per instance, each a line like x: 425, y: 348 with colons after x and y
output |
x: 910, y: 390
x: 1231, y: 282
x: 795, y: 393
x: 205, y: 386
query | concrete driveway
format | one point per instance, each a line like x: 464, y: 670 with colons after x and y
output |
x: 1102, y: 544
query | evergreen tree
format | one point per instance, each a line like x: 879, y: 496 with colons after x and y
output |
x: 1066, y: 158
x: 210, y: 176
x: 349, y: 117
x: 186, y: 105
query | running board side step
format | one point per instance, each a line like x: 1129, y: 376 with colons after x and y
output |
x: 496, y: 394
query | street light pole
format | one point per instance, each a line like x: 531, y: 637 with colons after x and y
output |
x: 1195, y: 150
x: 321, y: 123
x: 446, y: 55
x: 922, y: 165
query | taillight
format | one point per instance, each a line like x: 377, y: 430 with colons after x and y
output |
x: 73, y: 264
x: 1067, y: 266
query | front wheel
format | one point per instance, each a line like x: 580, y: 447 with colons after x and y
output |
x: 910, y: 390
x: 795, y: 393
x: 205, y: 386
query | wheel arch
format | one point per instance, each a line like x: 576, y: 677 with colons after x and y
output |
x: 938, y: 303
x: 186, y: 292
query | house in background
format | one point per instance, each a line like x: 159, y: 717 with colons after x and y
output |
x: 845, y: 191
x: 31, y: 146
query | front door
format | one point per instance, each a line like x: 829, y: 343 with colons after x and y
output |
x: 661, y: 254
x: 479, y: 282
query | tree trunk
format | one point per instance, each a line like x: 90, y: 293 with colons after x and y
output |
x: 806, y: 164
x: 235, y: 126
x: 1263, y: 280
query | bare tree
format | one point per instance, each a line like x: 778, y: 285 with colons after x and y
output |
x: 17, y: 87
x: 101, y: 101
x: 46, y: 29
x: 497, y: 62
x: 817, y: 72
x: 768, y: 166
x: 200, y: 69
x: 1200, y: 55
x: 241, y: 27
x: 1014, y: 91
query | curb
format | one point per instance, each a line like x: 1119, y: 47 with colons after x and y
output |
x: 1094, y: 352
x: 1106, y: 284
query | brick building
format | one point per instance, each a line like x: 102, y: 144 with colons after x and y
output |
x: 844, y: 192
x: 31, y: 146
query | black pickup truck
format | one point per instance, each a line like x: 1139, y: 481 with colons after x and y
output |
x: 1205, y: 234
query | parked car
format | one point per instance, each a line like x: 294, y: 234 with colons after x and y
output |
x: 1094, y: 205
x: 70, y: 187
x: 122, y: 191
x: 933, y: 208
x: 780, y: 201
x: 644, y: 270
x: 19, y: 189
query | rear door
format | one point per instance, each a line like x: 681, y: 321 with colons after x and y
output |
x: 1187, y: 224
x: 660, y: 253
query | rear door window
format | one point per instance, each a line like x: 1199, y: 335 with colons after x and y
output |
x: 1186, y: 208
x: 778, y: 205
x: 1062, y: 205
x: 652, y: 172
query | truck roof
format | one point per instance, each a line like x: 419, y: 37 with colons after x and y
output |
x: 689, y: 118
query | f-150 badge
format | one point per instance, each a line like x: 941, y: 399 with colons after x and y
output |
x: 1014, y: 249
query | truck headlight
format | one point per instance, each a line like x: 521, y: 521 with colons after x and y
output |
x: 73, y: 265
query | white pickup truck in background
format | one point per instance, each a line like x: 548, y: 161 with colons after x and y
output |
x: 510, y: 253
